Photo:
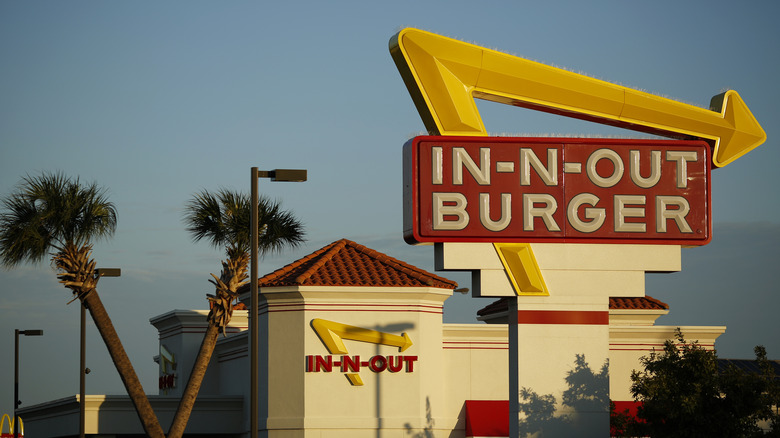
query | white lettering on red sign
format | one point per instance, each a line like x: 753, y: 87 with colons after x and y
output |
x: 503, y: 189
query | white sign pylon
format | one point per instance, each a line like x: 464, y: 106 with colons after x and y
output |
x: 555, y: 340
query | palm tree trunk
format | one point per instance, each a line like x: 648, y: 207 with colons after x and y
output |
x: 123, y: 365
x: 187, y: 402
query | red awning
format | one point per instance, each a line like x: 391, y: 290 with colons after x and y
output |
x: 487, y: 418
x: 490, y: 418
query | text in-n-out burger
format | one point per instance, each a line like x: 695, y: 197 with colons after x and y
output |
x: 506, y: 189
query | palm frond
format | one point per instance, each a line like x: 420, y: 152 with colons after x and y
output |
x: 52, y: 210
x: 223, y: 218
x: 279, y: 228
x: 203, y: 218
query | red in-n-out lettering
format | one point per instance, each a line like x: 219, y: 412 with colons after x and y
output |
x: 353, y: 364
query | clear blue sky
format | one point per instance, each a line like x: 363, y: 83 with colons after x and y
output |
x: 157, y: 100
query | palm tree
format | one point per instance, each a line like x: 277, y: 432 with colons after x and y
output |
x: 52, y: 212
x: 224, y: 220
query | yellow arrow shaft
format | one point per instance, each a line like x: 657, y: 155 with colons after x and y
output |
x: 371, y: 336
x: 445, y: 75
x: 333, y: 333
x: 519, y: 81
x: 508, y: 79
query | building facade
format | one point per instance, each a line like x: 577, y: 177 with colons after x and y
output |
x: 352, y: 344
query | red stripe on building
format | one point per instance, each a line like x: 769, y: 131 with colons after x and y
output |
x: 346, y: 310
x: 342, y: 308
x: 453, y: 345
x: 562, y: 317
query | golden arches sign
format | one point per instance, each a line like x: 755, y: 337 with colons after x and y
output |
x: 10, y: 427
x: 444, y: 76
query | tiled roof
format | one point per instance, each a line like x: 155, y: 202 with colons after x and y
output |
x: 637, y: 303
x: 500, y: 305
x: 346, y: 263
x: 749, y: 366
x: 615, y: 303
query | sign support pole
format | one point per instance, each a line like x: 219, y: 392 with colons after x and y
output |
x: 514, y: 371
x: 253, y: 323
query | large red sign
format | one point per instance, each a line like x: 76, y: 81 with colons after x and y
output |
x: 505, y: 189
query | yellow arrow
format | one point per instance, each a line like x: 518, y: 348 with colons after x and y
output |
x: 333, y: 333
x: 444, y: 76
x: 523, y: 271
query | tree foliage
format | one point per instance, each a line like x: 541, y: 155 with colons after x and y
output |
x: 52, y: 212
x: 684, y: 394
x: 223, y: 219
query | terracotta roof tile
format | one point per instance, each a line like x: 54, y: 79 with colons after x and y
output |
x: 637, y: 303
x: 346, y: 263
x: 500, y: 305
x: 615, y: 303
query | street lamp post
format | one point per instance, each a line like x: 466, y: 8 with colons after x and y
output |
x: 291, y: 175
x: 99, y: 272
x: 18, y: 332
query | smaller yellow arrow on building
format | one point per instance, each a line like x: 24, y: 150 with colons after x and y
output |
x: 333, y: 334
x: 521, y: 268
x: 444, y: 76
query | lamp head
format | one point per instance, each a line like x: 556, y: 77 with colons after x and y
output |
x: 31, y: 332
x: 284, y: 175
x: 108, y: 272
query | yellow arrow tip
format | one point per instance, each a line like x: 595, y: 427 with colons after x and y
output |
x: 747, y: 134
x: 523, y: 270
x: 354, y: 379
x: 407, y: 343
